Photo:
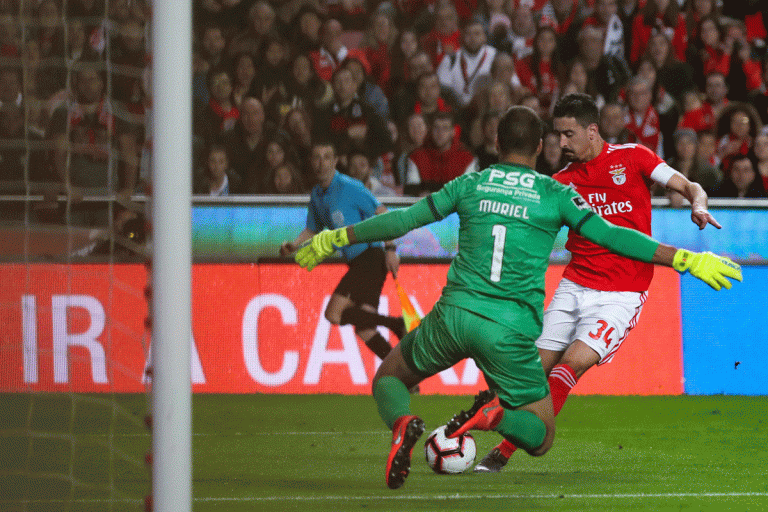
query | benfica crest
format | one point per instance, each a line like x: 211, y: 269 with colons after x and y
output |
x: 618, y: 175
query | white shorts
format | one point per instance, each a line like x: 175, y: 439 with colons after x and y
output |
x: 600, y: 319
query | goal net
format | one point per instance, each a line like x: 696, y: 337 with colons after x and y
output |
x: 73, y: 259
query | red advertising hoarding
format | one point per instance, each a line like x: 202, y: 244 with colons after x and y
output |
x: 260, y: 329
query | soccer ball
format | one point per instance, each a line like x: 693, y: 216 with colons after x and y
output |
x: 449, y: 456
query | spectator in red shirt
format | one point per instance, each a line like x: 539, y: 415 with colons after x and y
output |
x: 333, y: 51
x: 695, y: 11
x: 642, y: 118
x: 539, y: 72
x: 405, y: 47
x: 744, y: 73
x: 561, y: 14
x: 420, y: 96
x: 665, y: 105
x: 703, y: 118
x: 445, y: 37
x: 663, y: 15
x: 378, y: 44
x: 737, y: 127
x: 706, y: 51
x: 434, y: 165
x: 222, y: 113
x: 429, y: 97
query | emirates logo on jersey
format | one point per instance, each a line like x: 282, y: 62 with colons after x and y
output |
x: 618, y: 174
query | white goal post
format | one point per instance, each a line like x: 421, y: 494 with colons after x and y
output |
x: 171, y: 255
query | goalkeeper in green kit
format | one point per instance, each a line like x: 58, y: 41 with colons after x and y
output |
x: 492, y: 305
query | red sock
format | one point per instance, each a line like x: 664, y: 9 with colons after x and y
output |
x: 506, y: 448
x: 562, y: 378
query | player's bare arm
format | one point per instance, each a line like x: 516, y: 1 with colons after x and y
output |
x: 290, y: 247
x: 695, y: 194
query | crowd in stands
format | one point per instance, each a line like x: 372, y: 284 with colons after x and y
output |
x: 409, y: 91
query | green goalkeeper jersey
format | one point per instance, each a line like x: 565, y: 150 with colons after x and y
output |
x: 509, y: 216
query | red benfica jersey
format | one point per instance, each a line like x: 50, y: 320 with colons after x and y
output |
x: 616, y: 185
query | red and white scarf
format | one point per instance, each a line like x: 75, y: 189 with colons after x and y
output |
x: 648, y: 131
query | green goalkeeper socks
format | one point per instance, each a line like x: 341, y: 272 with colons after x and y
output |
x: 392, y: 399
x: 522, y: 428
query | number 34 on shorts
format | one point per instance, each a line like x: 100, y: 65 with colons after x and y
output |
x: 606, y: 336
x: 604, y: 332
x: 601, y: 319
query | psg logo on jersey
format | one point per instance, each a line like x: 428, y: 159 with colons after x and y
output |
x: 619, y: 176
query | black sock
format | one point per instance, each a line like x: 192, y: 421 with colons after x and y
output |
x: 379, y: 345
x: 363, y: 319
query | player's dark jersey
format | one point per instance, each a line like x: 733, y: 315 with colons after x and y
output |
x: 509, y: 217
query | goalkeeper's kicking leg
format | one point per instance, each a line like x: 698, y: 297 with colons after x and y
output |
x: 530, y: 426
x: 390, y: 390
x: 563, y: 369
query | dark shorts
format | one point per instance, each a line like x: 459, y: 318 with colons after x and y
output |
x: 365, y: 278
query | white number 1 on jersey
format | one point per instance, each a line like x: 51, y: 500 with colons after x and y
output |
x: 499, y: 236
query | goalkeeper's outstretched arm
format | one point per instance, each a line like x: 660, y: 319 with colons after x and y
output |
x: 710, y: 268
x: 386, y: 226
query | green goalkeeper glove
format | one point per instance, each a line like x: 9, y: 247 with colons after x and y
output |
x: 321, y: 246
x: 707, y: 266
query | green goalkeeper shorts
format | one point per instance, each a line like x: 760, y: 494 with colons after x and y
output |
x: 448, y: 334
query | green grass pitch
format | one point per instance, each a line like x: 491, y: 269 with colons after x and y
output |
x: 327, y: 453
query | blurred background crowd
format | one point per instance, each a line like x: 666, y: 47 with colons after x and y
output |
x: 410, y: 91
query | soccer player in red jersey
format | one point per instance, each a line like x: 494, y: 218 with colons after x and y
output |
x: 601, y: 295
